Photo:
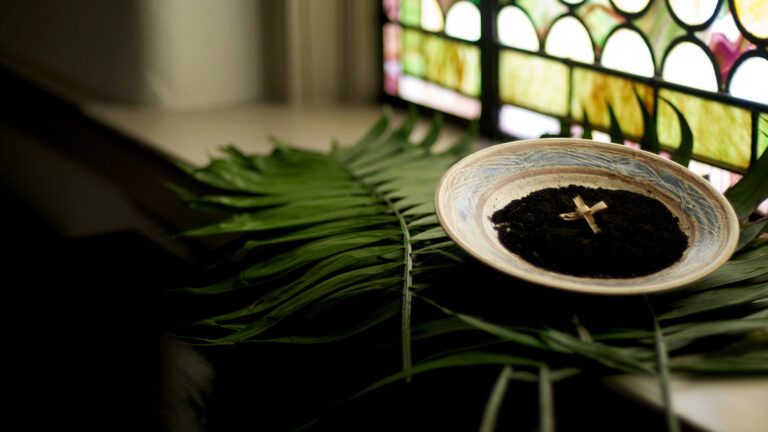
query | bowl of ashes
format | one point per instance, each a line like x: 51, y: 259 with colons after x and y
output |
x: 586, y: 216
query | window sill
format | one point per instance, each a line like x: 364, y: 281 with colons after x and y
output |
x: 193, y: 136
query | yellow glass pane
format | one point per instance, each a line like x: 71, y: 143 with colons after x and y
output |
x: 595, y: 90
x: 470, y: 75
x: 452, y: 64
x: 721, y: 133
x: 533, y: 82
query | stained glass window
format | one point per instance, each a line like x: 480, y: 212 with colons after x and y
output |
x: 432, y: 54
x: 530, y: 67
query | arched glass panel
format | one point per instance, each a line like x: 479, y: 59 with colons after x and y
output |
x: 516, y: 30
x: 431, y: 16
x: 753, y: 16
x: 688, y: 64
x: 748, y: 80
x: 631, y: 6
x: 693, y: 12
x: 627, y: 51
x: 568, y: 38
x: 463, y: 21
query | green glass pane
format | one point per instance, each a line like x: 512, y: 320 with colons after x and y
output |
x: 410, y: 12
x: 542, y: 12
x: 660, y: 29
x: 533, y: 82
x: 721, y: 133
x: 595, y: 90
x: 762, y: 134
x: 413, y: 58
x: 600, y: 18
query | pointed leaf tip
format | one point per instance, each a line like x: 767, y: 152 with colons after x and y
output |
x: 684, y: 152
x: 650, y: 139
x: 614, y: 129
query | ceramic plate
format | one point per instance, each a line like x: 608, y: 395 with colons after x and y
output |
x: 478, y: 185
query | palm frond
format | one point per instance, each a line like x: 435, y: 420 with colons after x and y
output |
x: 360, y: 214
x: 333, y: 246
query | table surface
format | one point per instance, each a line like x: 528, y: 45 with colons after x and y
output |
x: 712, y: 404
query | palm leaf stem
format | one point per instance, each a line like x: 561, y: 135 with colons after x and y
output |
x: 546, y: 401
x: 407, y: 266
x: 493, y: 406
x: 663, y: 368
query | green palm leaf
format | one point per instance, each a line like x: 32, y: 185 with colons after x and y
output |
x: 751, y: 190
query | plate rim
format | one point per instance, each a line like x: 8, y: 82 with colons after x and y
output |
x: 580, y: 284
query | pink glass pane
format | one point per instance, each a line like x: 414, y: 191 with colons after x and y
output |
x: 392, y: 53
x: 391, y: 9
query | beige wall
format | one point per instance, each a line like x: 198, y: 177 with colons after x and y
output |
x: 190, y: 54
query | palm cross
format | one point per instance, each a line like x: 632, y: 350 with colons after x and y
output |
x: 586, y: 212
